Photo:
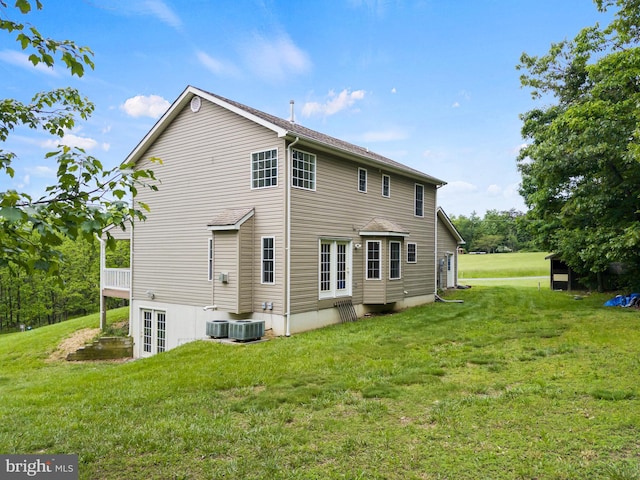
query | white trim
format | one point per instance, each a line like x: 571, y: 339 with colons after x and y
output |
x: 415, y: 244
x: 395, y: 242
x: 366, y: 260
x: 366, y: 179
x: 251, y: 154
x: 388, y: 177
x: 415, y: 198
x: 315, y: 170
x: 334, y: 291
x: 273, y: 260
x: 384, y: 234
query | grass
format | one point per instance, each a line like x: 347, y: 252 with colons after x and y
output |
x: 502, y: 265
x: 512, y: 383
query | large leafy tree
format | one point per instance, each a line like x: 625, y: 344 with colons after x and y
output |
x: 580, y: 169
x: 86, y: 196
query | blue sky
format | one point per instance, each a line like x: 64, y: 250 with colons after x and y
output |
x: 429, y: 83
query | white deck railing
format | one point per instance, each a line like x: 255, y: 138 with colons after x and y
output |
x: 117, y: 278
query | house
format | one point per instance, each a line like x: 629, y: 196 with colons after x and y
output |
x: 258, y: 217
x: 447, y: 246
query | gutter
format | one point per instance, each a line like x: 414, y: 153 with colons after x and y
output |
x: 288, y: 240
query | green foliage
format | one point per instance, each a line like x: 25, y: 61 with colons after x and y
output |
x: 86, y: 196
x: 580, y: 169
x: 513, y: 383
x: 497, y: 231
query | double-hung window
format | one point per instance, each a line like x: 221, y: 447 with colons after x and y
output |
x: 386, y: 186
x: 412, y: 252
x: 303, y: 170
x: 394, y: 260
x: 268, y: 260
x: 362, y: 180
x: 264, y: 169
x: 419, y: 200
x: 374, y: 259
x: 335, y: 268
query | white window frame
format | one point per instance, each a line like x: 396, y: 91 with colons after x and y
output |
x: 415, y: 252
x: 393, y: 259
x: 308, y: 159
x: 386, y: 186
x: 210, y: 259
x: 417, y: 187
x: 154, y: 331
x: 362, y: 180
x: 272, y: 261
x: 378, y: 260
x: 334, y: 279
x: 271, y: 179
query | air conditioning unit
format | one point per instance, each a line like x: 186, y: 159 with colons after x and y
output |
x: 218, y: 329
x: 245, y: 330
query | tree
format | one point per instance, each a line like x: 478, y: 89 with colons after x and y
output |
x: 86, y: 196
x: 580, y: 169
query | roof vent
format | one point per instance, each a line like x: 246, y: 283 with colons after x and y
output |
x: 293, y: 118
x: 196, y: 102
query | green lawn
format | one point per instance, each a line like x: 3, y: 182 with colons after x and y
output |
x: 512, y: 383
x: 502, y: 265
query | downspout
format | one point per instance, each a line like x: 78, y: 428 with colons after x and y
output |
x: 288, y: 245
x: 435, y: 229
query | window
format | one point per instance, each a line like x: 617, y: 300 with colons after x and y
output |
x: 412, y: 252
x: 362, y: 180
x: 303, y: 170
x: 154, y: 331
x: 386, y: 186
x: 161, y: 331
x: 394, y: 260
x: 210, y: 259
x: 268, y: 260
x: 264, y: 169
x: 373, y: 260
x: 419, y: 201
x: 335, y: 268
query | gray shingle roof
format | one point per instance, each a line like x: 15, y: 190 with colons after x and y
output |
x: 230, y: 217
x: 297, y: 130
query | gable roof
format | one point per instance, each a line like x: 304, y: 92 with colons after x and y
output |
x: 452, y: 229
x: 231, y: 219
x: 382, y: 227
x: 283, y: 128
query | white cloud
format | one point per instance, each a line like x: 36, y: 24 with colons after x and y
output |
x: 71, y: 140
x: 385, y: 135
x: 40, y: 171
x: 455, y: 105
x: 334, y: 104
x: 145, y: 106
x: 215, y: 66
x: 494, y: 190
x: 161, y: 11
x: 459, y: 186
x: 393, y: 90
x: 275, y: 59
x: 21, y: 60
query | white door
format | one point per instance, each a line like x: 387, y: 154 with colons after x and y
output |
x: 451, y: 270
x: 154, y: 331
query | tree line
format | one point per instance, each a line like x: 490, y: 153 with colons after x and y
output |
x: 38, y: 298
x: 496, y: 232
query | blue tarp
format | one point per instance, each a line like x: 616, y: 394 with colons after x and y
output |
x: 622, y: 300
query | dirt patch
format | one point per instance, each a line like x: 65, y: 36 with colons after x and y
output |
x: 73, y: 343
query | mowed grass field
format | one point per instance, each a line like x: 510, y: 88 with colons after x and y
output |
x: 514, y: 383
x: 524, y: 269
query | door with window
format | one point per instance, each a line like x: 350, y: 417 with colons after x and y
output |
x: 451, y: 270
x: 154, y: 331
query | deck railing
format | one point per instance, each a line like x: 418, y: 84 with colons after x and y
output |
x: 117, y: 278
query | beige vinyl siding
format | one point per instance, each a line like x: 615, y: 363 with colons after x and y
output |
x: 337, y: 210
x: 206, y: 169
x: 247, y: 252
